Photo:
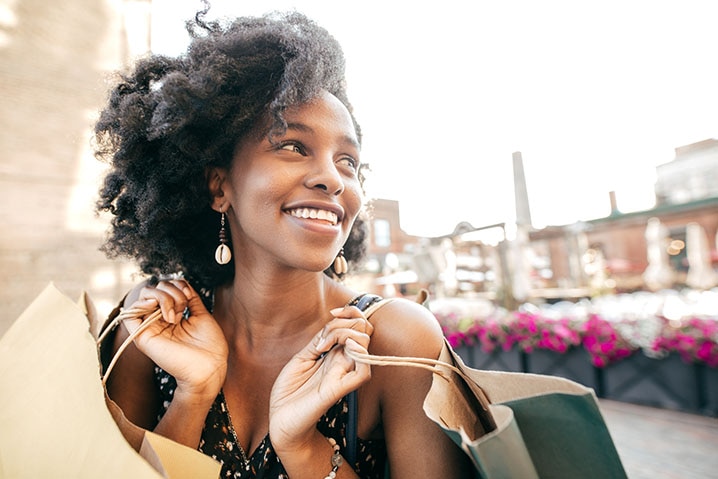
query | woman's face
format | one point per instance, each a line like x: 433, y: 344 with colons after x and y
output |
x: 295, y: 199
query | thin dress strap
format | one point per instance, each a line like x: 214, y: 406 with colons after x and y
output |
x: 363, y: 301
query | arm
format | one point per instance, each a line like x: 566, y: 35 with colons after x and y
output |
x: 193, y: 350
x: 416, y: 446
x: 314, y: 380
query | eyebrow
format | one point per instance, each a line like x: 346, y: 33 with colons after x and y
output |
x: 308, y: 129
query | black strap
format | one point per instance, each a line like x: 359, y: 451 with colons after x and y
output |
x: 352, y: 446
x: 362, y: 302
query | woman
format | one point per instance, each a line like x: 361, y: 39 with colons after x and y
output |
x: 237, y: 166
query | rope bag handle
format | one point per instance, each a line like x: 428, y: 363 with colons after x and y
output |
x: 441, y: 368
x: 152, y: 316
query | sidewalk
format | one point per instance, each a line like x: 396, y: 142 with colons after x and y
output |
x: 662, y: 444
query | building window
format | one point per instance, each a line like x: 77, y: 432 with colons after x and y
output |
x: 382, y: 233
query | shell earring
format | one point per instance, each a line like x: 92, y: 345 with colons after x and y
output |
x: 340, y: 263
x: 222, y: 254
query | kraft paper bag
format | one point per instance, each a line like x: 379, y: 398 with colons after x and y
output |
x: 55, y: 418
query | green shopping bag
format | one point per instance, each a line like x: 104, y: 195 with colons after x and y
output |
x: 543, y: 426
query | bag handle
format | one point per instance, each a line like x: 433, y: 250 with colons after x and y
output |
x: 130, y: 313
x: 433, y: 365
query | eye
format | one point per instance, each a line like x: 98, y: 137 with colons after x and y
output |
x: 350, y: 163
x: 292, y: 146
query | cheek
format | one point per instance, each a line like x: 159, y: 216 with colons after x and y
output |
x: 354, y: 198
x: 258, y: 186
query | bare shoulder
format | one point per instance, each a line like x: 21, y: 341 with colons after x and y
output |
x: 403, y: 327
x: 408, y: 329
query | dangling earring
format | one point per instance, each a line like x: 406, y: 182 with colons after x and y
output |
x: 340, y: 263
x: 222, y: 254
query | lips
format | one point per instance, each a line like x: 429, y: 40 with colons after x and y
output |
x: 315, y: 214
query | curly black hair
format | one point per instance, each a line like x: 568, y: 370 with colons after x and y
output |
x: 170, y: 119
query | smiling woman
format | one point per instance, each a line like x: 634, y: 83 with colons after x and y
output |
x: 236, y: 183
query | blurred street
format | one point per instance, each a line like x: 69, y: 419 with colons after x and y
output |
x: 663, y: 444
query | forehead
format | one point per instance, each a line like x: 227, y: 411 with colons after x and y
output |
x: 325, y: 112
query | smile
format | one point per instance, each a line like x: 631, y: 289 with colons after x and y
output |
x: 314, y: 214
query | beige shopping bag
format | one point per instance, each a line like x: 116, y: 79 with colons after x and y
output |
x: 54, y: 418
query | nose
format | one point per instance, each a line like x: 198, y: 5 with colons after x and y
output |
x: 325, y: 176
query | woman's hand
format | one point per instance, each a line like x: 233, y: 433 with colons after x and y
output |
x: 193, y: 350
x: 316, y: 378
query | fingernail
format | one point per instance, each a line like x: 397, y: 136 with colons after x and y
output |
x: 336, y: 311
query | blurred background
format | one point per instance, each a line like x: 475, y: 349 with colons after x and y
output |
x: 520, y: 150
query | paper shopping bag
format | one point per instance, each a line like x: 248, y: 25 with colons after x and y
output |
x: 54, y: 421
x: 544, y: 427
x: 514, y: 425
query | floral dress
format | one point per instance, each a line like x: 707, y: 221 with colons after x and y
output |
x: 219, y: 439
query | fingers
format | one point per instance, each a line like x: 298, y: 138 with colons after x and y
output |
x: 325, y: 341
x: 361, y: 371
x: 352, y: 346
x: 172, y: 297
x: 349, y: 373
x: 348, y: 324
x: 359, y: 322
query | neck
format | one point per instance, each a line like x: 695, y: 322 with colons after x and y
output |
x: 263, y: 313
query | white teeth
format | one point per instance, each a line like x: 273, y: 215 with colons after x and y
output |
x: 327, y: 216
x: 310, y: 213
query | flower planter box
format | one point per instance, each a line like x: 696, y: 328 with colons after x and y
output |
x: 497, y: 360
x: 709, y: 390
x: 666, y: 383
x: 574, y: 364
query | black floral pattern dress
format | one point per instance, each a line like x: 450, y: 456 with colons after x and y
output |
x: 219, y: 439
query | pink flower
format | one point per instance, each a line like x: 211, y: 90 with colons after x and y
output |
x: 603, y: 343
x: 693, y: 339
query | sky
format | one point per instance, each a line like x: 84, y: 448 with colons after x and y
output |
x: 594, y: 94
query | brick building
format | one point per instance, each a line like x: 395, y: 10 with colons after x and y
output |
x: 685, y: 194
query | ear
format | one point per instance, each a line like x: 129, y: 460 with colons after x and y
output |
x: 217, y: 184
